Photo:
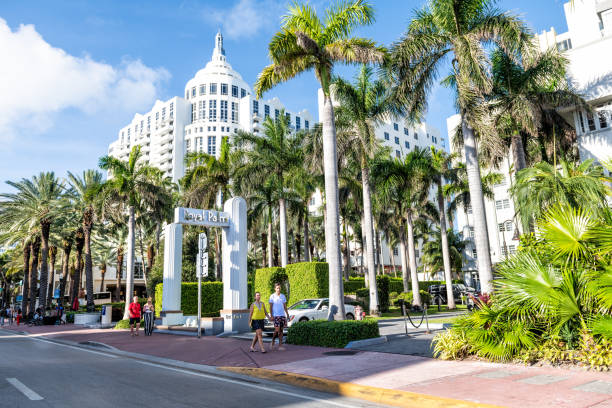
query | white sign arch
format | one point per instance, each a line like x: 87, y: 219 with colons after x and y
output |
x: 233, y: 221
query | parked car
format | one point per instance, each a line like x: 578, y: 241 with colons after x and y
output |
x: 310, y: 309
x: 459, y: 289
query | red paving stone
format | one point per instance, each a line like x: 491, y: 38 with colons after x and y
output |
x: 464, y: 380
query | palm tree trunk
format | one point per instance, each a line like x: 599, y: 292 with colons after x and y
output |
x: 307, y: 257
x: 298, y: 246
x: 369, y: 239
x: 381, y: 260
x: 102, y: 274
x: 393, y: 263
x: 283, y: 231
x: 27, y: 248
x: 219, y: 271
x: 481, y: 237
x: 264, y: 248
x: 44, y: 264
x: 66, y: 249
x: 450, y: 299
x: 404, y: 261
x: 119, y: 272
x: 87, y: 225
x: 518, y: 152
x: 142, y: 261
x: 131, y: 252
x: 270, y: 249
x: 76, y: 281
x: 416, y: 295
x: 347, y: 251
x: 33, y: 276
x: 52, y: 259
x: 332, y: 226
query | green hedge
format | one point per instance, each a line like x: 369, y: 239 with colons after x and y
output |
x: 266, y: 278
x: 353, y: 284
x: 333, y: 333
x: 212, y: 298
x: 308, y: 280
x: 125, y: 324
x: 383, y: 283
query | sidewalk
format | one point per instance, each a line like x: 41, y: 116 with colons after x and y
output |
x: 479, y: 382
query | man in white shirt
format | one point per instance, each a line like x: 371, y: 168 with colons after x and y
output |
x: 278, y: 308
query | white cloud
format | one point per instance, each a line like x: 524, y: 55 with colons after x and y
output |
x: 246, y: 18
x: 39, y: 81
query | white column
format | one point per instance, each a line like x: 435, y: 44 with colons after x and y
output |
x: 235, y: 310
x: 173, y: 265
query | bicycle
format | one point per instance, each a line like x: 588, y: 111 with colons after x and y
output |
x: 34, y: 322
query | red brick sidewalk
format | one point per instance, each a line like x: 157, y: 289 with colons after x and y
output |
x: 481, y: 382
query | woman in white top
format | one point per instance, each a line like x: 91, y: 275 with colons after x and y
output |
x: 278, y: 308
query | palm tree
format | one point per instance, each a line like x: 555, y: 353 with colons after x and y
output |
x: 104, y: 254
x: 523, y: 90
x: 83, y: 192
x: 363, y: 105
x: 271, y: 155
x: 540, y: 187
x: 404, y: 186
x: 129, y: 185
x: 36, y: 203
x: 306, y: 42
x: 457, y: 28
x: 433, y: 254
x: 439, y: 170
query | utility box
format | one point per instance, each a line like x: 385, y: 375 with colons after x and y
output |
x: 107, y: 314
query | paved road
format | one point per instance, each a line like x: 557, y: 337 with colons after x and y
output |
x: 38, y: 373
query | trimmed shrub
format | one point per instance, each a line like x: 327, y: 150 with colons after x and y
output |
x: 212, y: 298
x: 266, y: 278
x: 382, y: 284
x: 333, y: 333
x: 407, y: 297
x: 125, y: 324
x: 308, y: 280
x: 352, y: 285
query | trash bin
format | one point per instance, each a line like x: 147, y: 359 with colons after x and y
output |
x: 107, y: 314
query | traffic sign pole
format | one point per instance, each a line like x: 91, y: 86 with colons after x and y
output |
x: 202, y: 265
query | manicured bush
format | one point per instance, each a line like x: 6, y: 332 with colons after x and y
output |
x: 308, y: 280
x: 407, y: 297
x: 212, y: 298
x: 351, y: 285
x: 333, y: 333
x: 266, y: 278
x: 382, y: 283
x: 125, y: 324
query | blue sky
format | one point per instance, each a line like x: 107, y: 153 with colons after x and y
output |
x: 74, y: 72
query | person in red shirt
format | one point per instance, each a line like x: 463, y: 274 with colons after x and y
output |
x: 134, y: 310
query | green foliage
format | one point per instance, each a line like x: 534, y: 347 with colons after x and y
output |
x: 125, y: 324
x: 407, y: 297
x: 383, y: 283
x: 331, y: 333
x: 451, y: 344
x: 212, y: 298
x: 308, y: 280
x: 351, y: 285
x: 266, y: 278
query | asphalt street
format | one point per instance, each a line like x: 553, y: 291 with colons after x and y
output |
x: 39, y: 373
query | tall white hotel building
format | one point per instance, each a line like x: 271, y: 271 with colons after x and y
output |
x: 588, y: 46
x: 217, y: 103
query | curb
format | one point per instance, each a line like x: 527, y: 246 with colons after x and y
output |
x: 366, y: 342
x: 396, y: 398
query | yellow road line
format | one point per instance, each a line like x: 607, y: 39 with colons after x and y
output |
x: 374, y: 394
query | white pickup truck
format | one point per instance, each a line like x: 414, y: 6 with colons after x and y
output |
x: 311, y: 309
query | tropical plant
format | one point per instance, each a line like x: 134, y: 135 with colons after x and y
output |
x: 307, y: 42
x: 130, y: 184
x: 461, y: 29
x: 433, y: 254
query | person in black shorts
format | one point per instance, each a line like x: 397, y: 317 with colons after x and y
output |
x: 256, y: 321
x: 278, y: 308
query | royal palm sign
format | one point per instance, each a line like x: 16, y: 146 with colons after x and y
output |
x: 203, y: 218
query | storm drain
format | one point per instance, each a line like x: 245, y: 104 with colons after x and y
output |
x: 341, y: 353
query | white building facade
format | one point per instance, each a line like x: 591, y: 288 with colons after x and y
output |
x: 217, y: 102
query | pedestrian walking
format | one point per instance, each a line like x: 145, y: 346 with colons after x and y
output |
x: 256, y: 321
x: 2, y: 316
x: 9, y: 315
x: 134, y: 310
x: 278, y: 307
x: 18, y: 316
x: 149, y: 317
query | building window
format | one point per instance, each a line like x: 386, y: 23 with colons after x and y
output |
x: 590, y: 121
x: 148, y: 123
x: 193, y: 92
x: 502, y: 204
x: 406, y: 132
x: 266, y: 111
x: 474, y: 255
x: 306, y: 125
x: 581, y: 120
x: 201, y: 139
x: 193, y: 112
x: 203, y: 89
x: 187, y: 94
x: 256, y: 107
x: 397, y: 153
x: 386, y: 135
x: 212, y: 110
x: 242, y: 92
x: 187, y: 145
x: 395, y: 126
x: 416, y: 136
x: 234, y: 91
x: 171, y: 110
x: 395, y: 251
x: 416, y: 253
x: 564, y: 45
x: 512, y: 249
x: 276, y: 113
x: 471, y: 229
x: 407, y: 145
x: 156, y: 116
x: 202, y: 110
x: 603, y: 119
x: 502, y: 182
x: 223, y: 89
x: 212, y: 145
x: 163, y: 113
x: 501, y: 227
x: 234, y: 112
x: 212, y: 89
x: 223, y: 110
x: 396, y: 140
x: 298, y: 123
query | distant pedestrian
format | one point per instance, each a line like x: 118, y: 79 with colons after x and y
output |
x: 18, y: 316
x: 9, y: 315
x: 149, y: 317
x: 2, y: 316
x: 134, y: 310
x: 278, y: 308
x: 256, y: 321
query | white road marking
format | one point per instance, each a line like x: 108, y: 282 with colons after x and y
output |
x: 259, y: 387
x: 62, y: 345
x: 24, y: 390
